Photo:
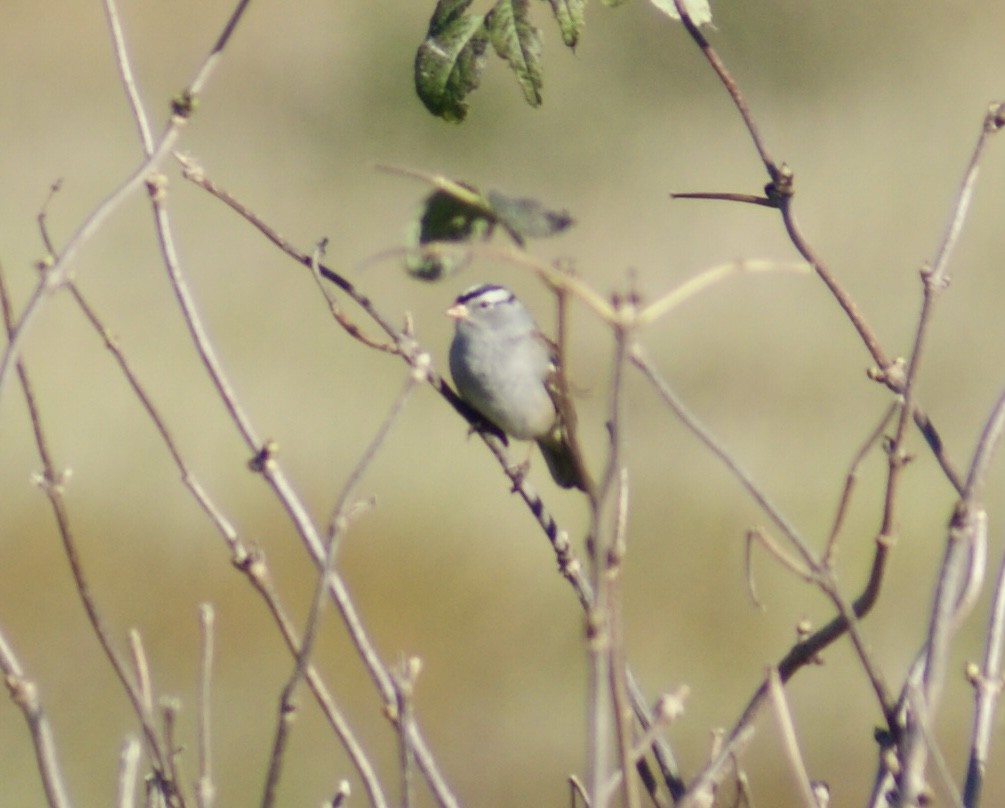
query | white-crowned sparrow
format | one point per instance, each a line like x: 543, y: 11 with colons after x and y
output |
x: 504, y: 368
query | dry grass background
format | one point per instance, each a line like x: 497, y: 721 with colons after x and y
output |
x: 875, y: 106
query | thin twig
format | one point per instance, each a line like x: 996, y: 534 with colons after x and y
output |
x: 24, y: 693
x: 348, y: 326
x: 222, y: 524
x: 405, y: 676
x: 193, y: 319
x: 994, y: 120
x: 125, y: 786
x: 806, y: 650
x: 205, y: 789
x: 141, y: 670
x: 934, y: 282
x: 340, y: 521
x: 668, y: 708
x: 922, y: 725
x: 56, y: 275
x: 169, y: 707
x: 785, y: 190
x: 638, y: 357
x: 849, y: 484
x: 256, y: 570
x: 566, y: 411
x: 731, y: 87
x: 602, y: 704
x: 126, y: 75
x: 265, y: 462
x: 987, y: 684
x: 569, y: 564
x: 52, y: 482
x: 965, y: 542
x: 711, y: 276
x: 760, y: 535
x: 783, y: 717
x: 622, y: 711
x: 962, y: 566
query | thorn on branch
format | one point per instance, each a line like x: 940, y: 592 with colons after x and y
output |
x: 750, y: 199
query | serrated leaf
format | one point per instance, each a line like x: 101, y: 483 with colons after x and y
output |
x: 570, y: 19
x: 517, y: 41
x: 527, y: 218
x: 449, y: 62
x: 445, y: 14
x: 445, y: 217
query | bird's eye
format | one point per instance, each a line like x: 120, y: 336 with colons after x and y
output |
x: 483, y: 304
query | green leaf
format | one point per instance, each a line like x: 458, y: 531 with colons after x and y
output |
x: 445, y: 217
x: 517, y: 41
x: 449, y: 62
x: 446, y: 13
x: 527, y: 218
x: 569, y: 15
x: 697, y: 10
x: 458, y: 212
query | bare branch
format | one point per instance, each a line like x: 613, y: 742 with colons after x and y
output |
x: 56, y: 275
x: 126, y: 75
x: 129, y: 759
x: 339, y: 521
x: 256, y: 570
x: 719, y: 68
x: 205, y: 789
x: 51, y: 483
x: 637, y: 357
x: 783, y: 717
x: 987, y: 684
x: 24, y: 694
x: 849, y: 484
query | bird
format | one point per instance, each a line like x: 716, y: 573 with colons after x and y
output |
x: 506, y: 369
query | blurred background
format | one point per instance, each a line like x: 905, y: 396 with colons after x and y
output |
x: 876, y: 108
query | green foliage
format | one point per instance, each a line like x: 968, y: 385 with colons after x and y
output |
x: 517, y: 41
x: 458, y: 213
x: 570, y: 19
x: 527, y: 218
x: 449, y: 62
x: 445, y: 216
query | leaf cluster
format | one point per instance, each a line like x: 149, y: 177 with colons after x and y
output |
x: 450, y: 60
